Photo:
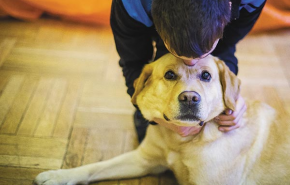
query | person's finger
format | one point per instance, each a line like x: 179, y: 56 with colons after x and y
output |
x: 230, y: 125
x: 227, y: 123
x: 230, y: 115
x: 231, y: 120
x: 224, y: 117
x: 227, y: 129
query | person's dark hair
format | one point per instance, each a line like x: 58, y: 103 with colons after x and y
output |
x: 190, y: 27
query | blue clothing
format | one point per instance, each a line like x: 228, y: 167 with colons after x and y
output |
x: 251, y: 5
x: 140, y: 10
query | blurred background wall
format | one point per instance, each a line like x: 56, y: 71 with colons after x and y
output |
x: 276, y: 14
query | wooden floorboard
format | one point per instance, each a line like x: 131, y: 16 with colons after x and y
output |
x: 63, y: 96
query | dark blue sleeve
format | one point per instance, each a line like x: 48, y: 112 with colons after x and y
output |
x: 235, y: 31
x: 133, y: 43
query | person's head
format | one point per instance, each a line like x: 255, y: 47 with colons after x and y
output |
x: 190, y: 28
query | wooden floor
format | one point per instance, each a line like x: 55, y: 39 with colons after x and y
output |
x: 63, y: 101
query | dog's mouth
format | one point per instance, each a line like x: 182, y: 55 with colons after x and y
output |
x: 186, y: 118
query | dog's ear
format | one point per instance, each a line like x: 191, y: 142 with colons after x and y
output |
x: 230, y: 85
x: 140, y: 82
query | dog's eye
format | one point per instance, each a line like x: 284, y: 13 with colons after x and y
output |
x: 170, y: 75
x: 205, y: 76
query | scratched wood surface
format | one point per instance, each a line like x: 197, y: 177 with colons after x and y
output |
x: 63, y: 101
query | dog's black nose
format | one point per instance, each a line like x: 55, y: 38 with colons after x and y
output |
x: 189, y: 97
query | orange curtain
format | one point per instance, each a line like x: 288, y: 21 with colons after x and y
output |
x: 275, y: 15
x: 88, y: 11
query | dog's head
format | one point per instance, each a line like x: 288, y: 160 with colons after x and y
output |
x: 185, y: 95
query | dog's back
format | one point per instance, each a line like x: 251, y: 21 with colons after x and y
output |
x: 272, y: 166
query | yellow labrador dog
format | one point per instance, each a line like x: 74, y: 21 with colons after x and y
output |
x: 256, y: 153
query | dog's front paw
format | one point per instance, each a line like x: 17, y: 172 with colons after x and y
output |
x: 60, y: 177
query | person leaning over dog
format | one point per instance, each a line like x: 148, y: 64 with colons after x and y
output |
x: 190, y: 30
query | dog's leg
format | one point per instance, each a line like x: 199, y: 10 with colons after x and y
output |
x: 128, y: 165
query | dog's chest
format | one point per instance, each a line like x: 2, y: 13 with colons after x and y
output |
x: 193, y: 164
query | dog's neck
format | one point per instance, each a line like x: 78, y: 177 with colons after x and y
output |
x: 210, y: 132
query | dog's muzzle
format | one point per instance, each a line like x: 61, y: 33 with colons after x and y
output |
x: 189, y: 102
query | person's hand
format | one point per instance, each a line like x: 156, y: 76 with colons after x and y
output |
x: 181, y: 130
x: 230, y: 120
